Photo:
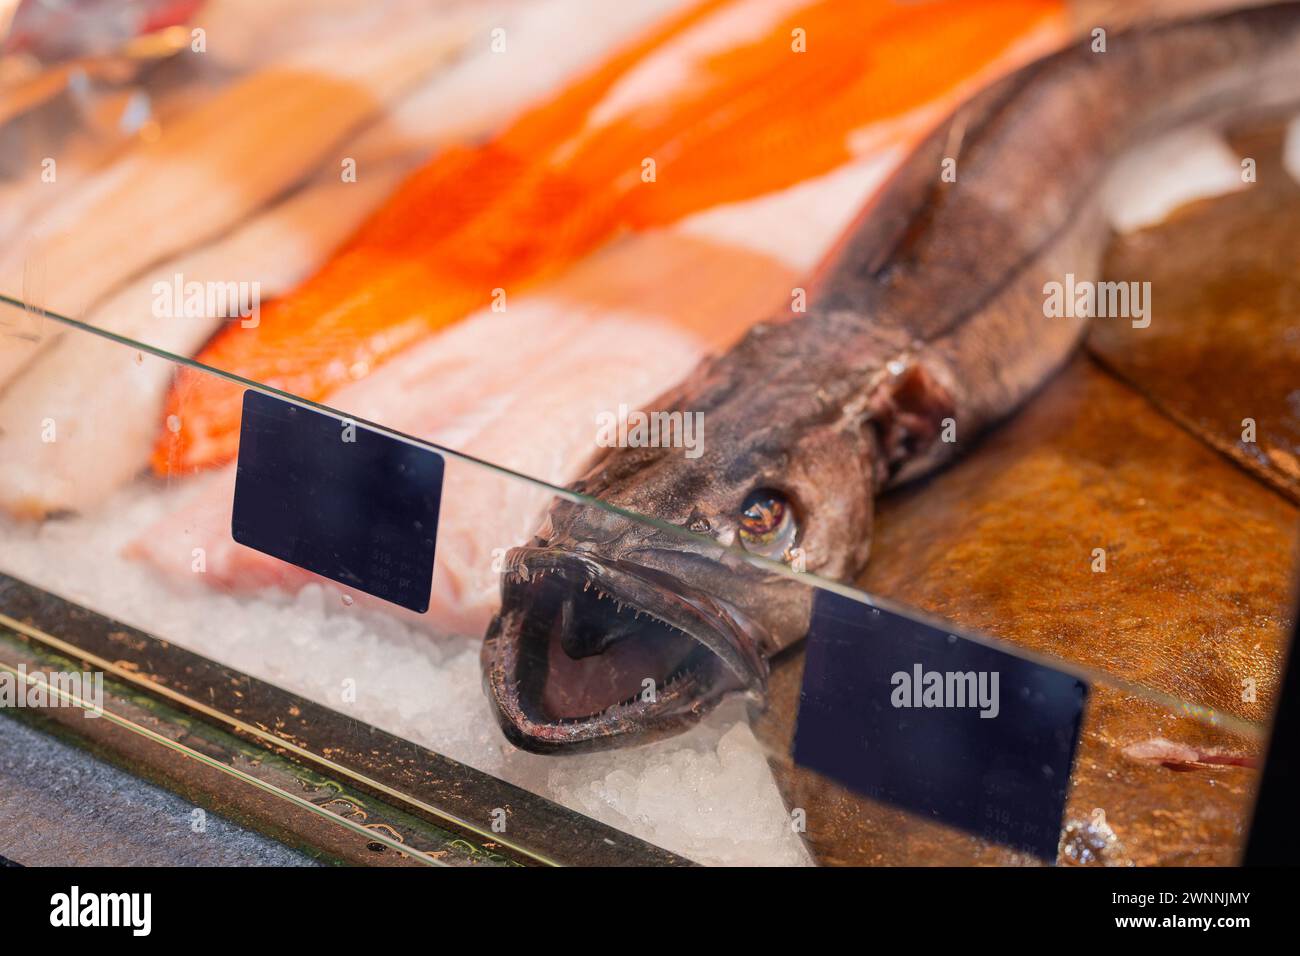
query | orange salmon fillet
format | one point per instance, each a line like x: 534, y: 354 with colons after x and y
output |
x: 568, y: 176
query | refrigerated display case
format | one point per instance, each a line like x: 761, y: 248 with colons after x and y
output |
x: 295, y: 464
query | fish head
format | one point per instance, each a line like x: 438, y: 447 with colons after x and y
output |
x: 615, y: 627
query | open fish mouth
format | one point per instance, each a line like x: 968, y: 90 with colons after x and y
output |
x: 587, y: 649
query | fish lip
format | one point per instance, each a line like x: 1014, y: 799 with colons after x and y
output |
x: 734, y: 664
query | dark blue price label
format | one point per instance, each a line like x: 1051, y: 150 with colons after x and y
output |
x: 338, y: 499
x: 946, y: 727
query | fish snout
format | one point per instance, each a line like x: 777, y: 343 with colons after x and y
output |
x: 587, y: 650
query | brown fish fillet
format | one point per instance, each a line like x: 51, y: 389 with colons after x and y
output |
x: 1223, y: 355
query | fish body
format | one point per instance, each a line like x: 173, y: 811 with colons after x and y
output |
x: 926, y: 326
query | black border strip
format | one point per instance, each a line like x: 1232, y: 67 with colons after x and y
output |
x: 1274, y: 839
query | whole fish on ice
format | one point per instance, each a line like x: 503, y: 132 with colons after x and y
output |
x: 929, y: 316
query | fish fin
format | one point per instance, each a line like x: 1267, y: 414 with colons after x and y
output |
x: 909, y: 409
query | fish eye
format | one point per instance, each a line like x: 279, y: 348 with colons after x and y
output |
x: 767, y: 524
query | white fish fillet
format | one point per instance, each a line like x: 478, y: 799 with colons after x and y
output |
x: 1149, y: 183
x: 102, y: 402
x: 215, y: 164
x: 1291, y: 149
